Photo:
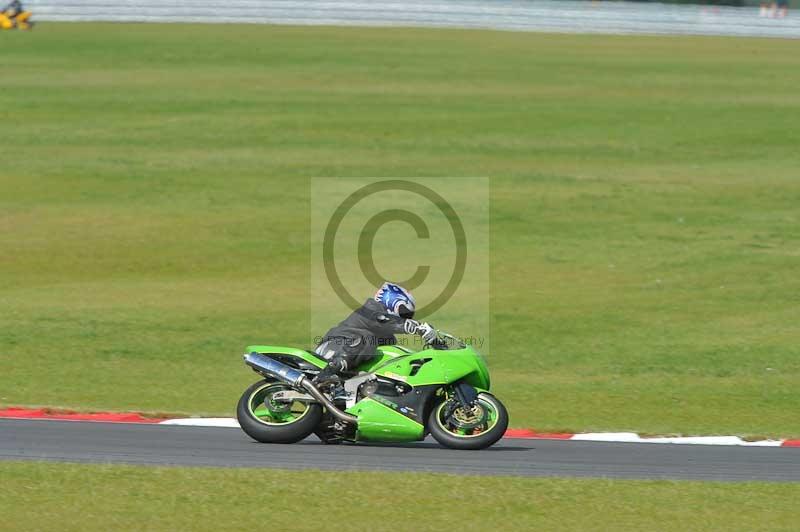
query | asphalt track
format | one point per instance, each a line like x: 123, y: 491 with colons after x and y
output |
x: 93, y: 442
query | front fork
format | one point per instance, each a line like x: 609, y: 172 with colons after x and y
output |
x: 461, y: 395
x: 465, y: 394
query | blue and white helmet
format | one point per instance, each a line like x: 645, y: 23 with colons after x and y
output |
x: 396, y: 300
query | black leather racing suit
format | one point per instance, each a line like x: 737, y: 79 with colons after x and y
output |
x: 356, y: 339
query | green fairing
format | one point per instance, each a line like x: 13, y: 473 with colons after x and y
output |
x: 443, y: 368
x: 292, y: 351
x: 385, y: 354
x: 396, y: 363
x: 379, y: 422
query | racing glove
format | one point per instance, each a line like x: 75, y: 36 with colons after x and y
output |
x: 425, y: 330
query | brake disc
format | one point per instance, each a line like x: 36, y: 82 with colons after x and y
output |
x: 463, y: 418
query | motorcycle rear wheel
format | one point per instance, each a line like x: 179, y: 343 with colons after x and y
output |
x: 269, y: 422
x: 489, y: 416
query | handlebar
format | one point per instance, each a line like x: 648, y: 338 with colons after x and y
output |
x: 443, y: 341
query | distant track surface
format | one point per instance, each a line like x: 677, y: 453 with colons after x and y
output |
x: 519, y: 15
x: 93, y: 442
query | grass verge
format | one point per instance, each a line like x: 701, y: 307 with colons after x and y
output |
x: 47, y: 496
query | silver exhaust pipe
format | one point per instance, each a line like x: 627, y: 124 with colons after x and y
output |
x: 327, y: 403
x: 273, y: 368
x: 297, y: 379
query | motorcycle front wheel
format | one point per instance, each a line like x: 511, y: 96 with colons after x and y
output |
x: 268, y: 421
x: 478, y: 427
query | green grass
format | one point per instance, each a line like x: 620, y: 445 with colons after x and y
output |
x: 154, y: 210
x: 63, y: 497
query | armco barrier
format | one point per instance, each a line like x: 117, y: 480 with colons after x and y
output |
x: 532, y: 15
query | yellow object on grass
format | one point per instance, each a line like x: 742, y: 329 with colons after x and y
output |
x: 19, y: 21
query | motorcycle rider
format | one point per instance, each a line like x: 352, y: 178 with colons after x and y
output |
x: 356, y: 339
x: 14, y: 16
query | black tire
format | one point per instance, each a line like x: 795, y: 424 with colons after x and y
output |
x: 471, y: 442
x: 264, y: 432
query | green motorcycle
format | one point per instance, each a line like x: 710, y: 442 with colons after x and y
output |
x: 399, y: 396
